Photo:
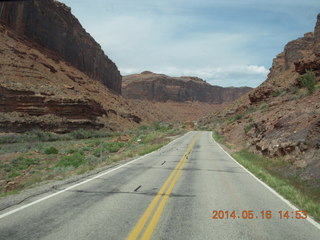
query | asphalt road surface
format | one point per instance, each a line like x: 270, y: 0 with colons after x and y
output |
x: 190, y: 189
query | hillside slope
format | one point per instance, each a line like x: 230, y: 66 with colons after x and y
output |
x: 159, y: 87
x: 281, y: 118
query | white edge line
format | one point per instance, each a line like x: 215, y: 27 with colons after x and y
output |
x: 310, y: 219
x: 83, y: 182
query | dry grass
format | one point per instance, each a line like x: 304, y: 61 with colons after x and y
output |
x: 23, y: 165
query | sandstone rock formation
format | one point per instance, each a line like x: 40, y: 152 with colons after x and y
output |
x: 300, y: 55
x: 159, y: 87
x: 280, y: 118
x: 316, y: 49
x: 79, y: 112
x: 39, y: 92
x: 50, y: 24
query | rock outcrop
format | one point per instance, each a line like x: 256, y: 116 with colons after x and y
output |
x: 38, y: 105
x: 316, y: 48
x: 159, y: 87
x: 281, y: 118
x: 300, y: 55
x: 50, y: 24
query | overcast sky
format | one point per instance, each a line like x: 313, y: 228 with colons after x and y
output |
x: 225, y: 42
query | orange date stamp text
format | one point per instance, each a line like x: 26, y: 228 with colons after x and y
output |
x: 264, y: 214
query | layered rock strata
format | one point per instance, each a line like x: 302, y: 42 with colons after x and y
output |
x: 159, y: 87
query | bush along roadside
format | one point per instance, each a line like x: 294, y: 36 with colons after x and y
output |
x: 269, y: 171
x: 25, y: 163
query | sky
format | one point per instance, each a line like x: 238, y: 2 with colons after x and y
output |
x: 225, y: 42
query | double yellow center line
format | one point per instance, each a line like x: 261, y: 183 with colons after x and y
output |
x: 171, y: 181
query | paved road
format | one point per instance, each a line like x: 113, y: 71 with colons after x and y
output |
x: 169, y: 194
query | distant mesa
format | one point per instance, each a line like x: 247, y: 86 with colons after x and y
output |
x: 147, y: 72
x: 160, y: 87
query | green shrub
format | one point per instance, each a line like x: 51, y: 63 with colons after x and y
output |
x: 12, y: 138
x: 150, y: 149
x: 279, y: 93
x: 263, y: 107
x: 217, y: 137
x: 308, y: 80
x: 32, y: 136
x: 133, y: 139
x: 113, y: 147
x: 51, y: 150
x: 39, y: 135
x: 87, y: 133
x: 251, y: 109
x: 157, y: 125
x: 82, y: 134
x: 248, y: 127
x: 235, y: 118
x: 93, y: 143
x: 14, y: 174
x: 148, y: 138
x: 22, y: 163
x: 97, y: 152
x: 162, y: 127
x: 75, y: 160
x: 70, y: 151
x: 92, y: 160
x: 143, y: 127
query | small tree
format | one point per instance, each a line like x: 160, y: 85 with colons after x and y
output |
x: 308, y: 80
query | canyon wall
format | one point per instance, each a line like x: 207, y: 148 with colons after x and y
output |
x: 51, y: 24
x: 159, y: 87
x: 281, y: 117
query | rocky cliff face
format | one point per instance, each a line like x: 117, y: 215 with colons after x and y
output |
x: 299, y: 55
x: 159, y: 87
x: 51, y: 24
x: 280, y: 118
x: 41, y: 92
x: 316, y: 48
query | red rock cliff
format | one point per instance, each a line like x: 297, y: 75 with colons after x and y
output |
x: 280, y: 118
x: 159, y: 87
x: 51, y: 24
x: 299, y: 55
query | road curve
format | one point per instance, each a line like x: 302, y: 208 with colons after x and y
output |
x: 172, y: 193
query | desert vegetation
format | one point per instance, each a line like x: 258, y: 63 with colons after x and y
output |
x: 36, y: 157
x: 270, y: 171
x: 308, y: 80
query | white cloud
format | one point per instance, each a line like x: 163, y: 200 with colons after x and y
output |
x: 141, y: 43
x: 226, y: 42
x: 257, y: 69
x: 238, y: 75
